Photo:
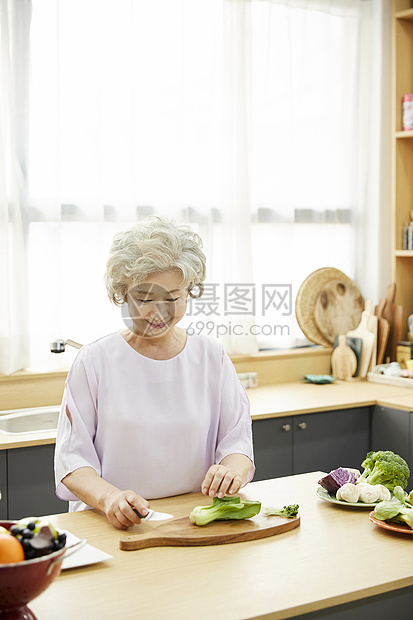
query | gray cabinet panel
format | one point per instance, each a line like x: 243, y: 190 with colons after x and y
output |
x: 311, y: 442
x: 273, y: 448
x: 3, y: 485
x: 325, y: 441
x: 391, y: 429
x: 31, y: 482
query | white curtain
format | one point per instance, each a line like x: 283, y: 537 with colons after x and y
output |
x: 14, y: 106
x: 251, y: 120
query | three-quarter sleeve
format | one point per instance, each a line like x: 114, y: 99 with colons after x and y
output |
x: 235, y: 426
x: 77, y: 424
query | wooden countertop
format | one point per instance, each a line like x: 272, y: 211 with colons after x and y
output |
x: 318, y: 565
x: 301, y: 397
x: 283, y: 399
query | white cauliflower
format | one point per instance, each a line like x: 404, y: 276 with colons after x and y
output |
x: 349, y: 492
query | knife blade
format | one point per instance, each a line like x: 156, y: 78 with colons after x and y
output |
x: 154, y: 516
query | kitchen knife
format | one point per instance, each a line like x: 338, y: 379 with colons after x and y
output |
x: 154, y: 516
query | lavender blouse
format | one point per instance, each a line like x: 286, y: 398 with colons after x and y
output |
x: 153, y: 426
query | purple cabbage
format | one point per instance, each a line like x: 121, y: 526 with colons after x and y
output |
x: 336, y: 478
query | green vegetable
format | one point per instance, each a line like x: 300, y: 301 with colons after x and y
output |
x: 286, y: 511
x: 224, y: 508
x: 386, y: 468
x: 398, y: 509
x: 402, y: 496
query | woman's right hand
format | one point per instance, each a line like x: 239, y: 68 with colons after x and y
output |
x: 120, y: 507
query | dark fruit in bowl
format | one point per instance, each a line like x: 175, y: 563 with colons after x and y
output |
x: 37, y: 537
x: 22, y: 581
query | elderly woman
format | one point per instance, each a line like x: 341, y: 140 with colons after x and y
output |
x: 150, y: 411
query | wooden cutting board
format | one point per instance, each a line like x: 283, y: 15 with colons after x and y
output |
x: 338, y: 308
x: 306, y: 299
x: 183, y: 533
x: 367, y: 346
x: 355, y: 345
x: 343, y: 360
x: 372, y: 326
x: 394, y: 315
x: 383, y: 329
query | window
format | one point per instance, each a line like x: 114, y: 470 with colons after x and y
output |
x: 243, y: 118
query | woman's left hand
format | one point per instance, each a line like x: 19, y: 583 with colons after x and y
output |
x: 221, y: 480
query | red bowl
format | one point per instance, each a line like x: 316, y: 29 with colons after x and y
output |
x: 21, y: 582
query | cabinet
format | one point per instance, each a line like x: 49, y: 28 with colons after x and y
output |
x: 310, y: 442
x: 3, y: 485
x: 402, y: 153
x: 392, y: 429
x: 27, y: 483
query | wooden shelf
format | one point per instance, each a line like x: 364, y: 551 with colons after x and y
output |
x: 402, y: 154
x: 403, y: 253
x: 404, y: 134
x: 406, y: 14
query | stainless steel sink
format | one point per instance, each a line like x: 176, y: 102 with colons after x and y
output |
x: 33, y: 420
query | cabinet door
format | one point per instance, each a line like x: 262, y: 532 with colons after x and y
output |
x: 391, y: 429
x: 3, y: 485
x: 31, y: 488
x: 273, y: 447
x: 325, y: 441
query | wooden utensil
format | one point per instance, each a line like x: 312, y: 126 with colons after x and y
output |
x: 383, y: 329
x: 343, y: 360
x: 338, y: 308
x: 367, y: 339
x: 183, y: 533
x: 372, y: 326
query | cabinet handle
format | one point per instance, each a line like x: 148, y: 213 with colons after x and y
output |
x: 302, y: 425
x: 286, y: 427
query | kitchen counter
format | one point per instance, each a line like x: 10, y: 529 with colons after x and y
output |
x: 300, y: 397
x: 293, y: 398
x: 337, y: 557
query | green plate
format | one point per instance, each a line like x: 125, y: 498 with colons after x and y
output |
x: 322, y: 494
x: 319, y: 378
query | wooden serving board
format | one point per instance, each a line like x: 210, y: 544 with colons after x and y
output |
x: 343, y: 360
x: 383, y: 329
x: 338, y: 308
x: 182, y: 533
x: 394, y: 315
x: 367, y: 346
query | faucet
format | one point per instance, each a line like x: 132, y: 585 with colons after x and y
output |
x: 58, y: 345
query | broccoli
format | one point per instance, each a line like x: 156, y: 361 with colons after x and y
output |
x: 224, y: 508
x: 386, y: 468
x: 286, y: 511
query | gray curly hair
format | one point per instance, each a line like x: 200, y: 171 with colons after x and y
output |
x: 154, y: 244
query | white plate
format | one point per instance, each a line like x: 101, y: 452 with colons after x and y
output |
x: 85, y: 556
x: 323, y: 494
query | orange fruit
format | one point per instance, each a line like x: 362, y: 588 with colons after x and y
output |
x: 10, y: 549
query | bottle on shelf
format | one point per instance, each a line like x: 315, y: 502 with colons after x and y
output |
x: 405, y: 236
x: 408, y: 112
x: 409, y: 233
